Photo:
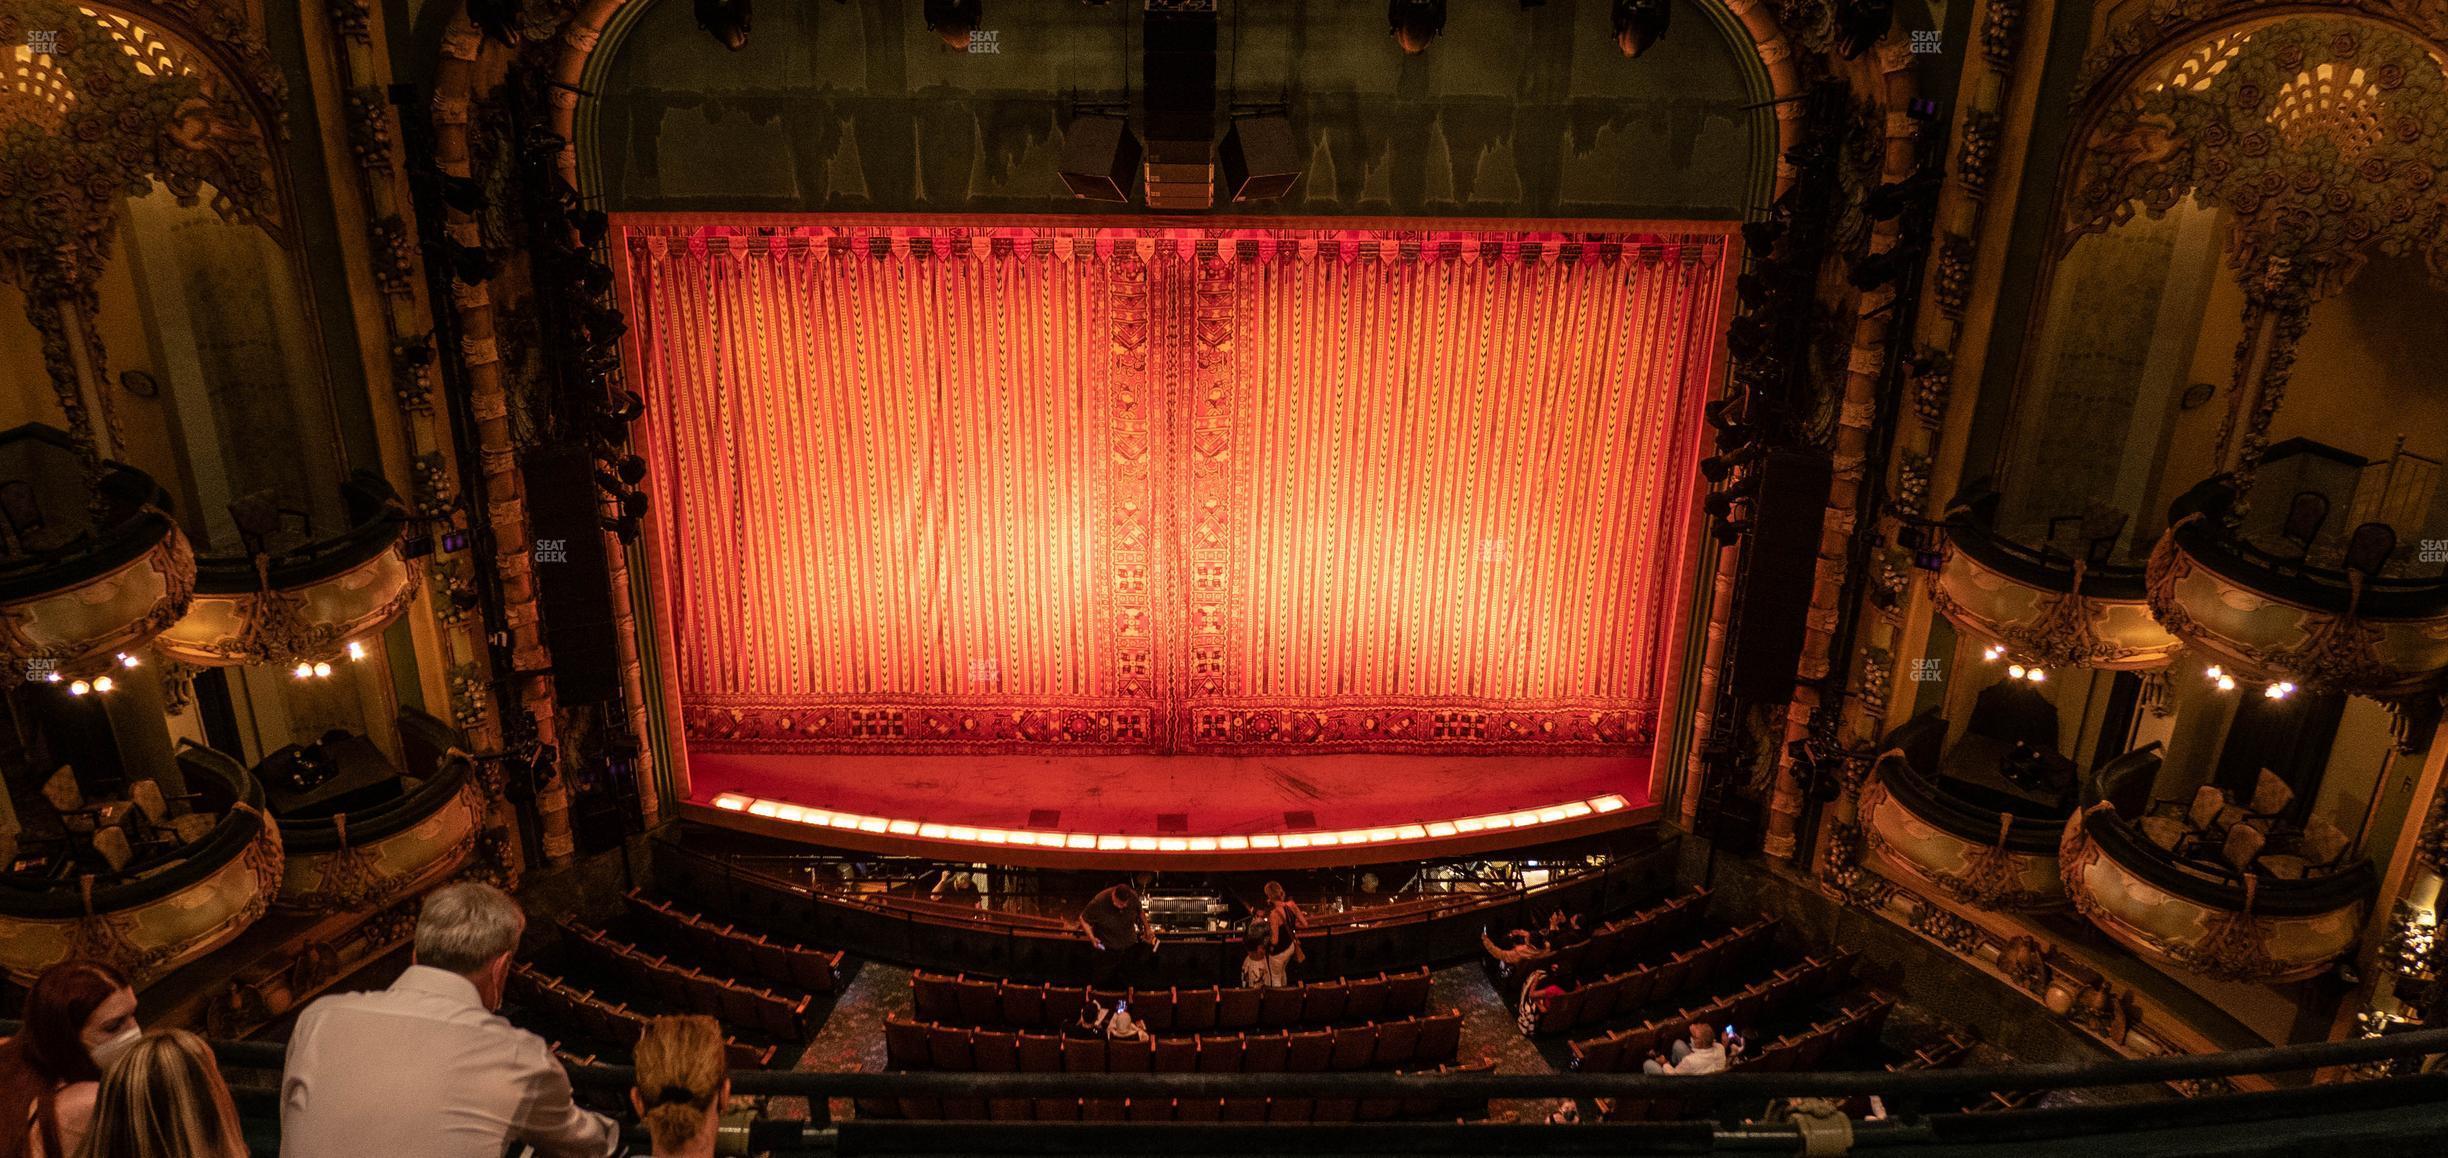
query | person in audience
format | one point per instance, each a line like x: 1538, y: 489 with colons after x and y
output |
x: 78, y: 1017
x: 1572, y: 932
x: 1285, y: 920
x: 426, y: 1066
x: 1254, y: 956
x: 955, y: 888
x: 1091, y: 1023
x: 1541, y: 987
x: 682, y: 1087
x: 1519, y: 946
x: 1117, y: 925
x: 164, y: 1098
x: 1702, y: 1053
x: 1121, y: 1026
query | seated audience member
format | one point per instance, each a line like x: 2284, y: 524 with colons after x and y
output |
x: 1118, y: 926
x: 426, y: 1066
x: 1701, y: 1054
x: 1091, y: 1023
x: 1572, y: 932
x: 79, y: 1016
x: 1541, y: 987
x: 681, y: 1085
x: 1120, y: 1026
x: 164, y: 1098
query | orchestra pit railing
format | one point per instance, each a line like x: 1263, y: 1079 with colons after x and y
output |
x: 2384, y: 1115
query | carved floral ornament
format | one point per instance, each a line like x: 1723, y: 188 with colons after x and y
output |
x: 2325, y: 139
x: 96, y: 107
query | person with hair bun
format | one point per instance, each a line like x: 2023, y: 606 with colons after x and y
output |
x: 681, y: 1085
x: 79, y: 1015
x: 164, y: 1098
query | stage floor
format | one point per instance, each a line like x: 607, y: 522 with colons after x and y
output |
x: 1411, y: 804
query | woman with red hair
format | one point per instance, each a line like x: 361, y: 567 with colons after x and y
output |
x: 78, y: 1016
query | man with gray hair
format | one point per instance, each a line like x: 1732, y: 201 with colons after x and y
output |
x: 426, y: 1069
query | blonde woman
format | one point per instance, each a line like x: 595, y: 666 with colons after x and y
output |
x: 681, y: 1085
x: 163, y: 1097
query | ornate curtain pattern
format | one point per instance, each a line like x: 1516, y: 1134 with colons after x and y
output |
x: 1137, y: 490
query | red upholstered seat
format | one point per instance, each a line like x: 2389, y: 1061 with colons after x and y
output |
x: 1062, y: 1005
x: 1058, y: 1109
x: 1219, y: 1055
x: 931, y: 996
x: 1148, y: 1110
x: 1397, y: 1043
x: 1083, y: 1055
x: 1598, y: 1055
x: 1309, y: 1051
x: 1197, y: 1110
x: 1152, y: 1008
x: 1023, y: 1005
x: 1040, y: 1053
x: 905, y: 1044
x: 1280, y: 1007
x: 1440, y: 1038
x: 977, y: 1001
x: 1335, y: 1110
x: 1136, y: 1056
x: 1236, y: 1009
x: 1355, y: 1046
x: 995, y: 1052
x: 1325, y: 1002
x: 1176, y: 1055
x: 1367, y: 998
x: 1245, y: 1109
x: 1194, y: 1011
x: 1407, y: 993
x: 1264, y: 1053
x: 948, y: 1049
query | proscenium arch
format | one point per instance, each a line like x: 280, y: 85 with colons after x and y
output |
x: 591, y: 43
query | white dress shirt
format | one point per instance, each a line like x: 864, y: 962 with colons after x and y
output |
x: 424, y: 1070
x: 1709, y: 1059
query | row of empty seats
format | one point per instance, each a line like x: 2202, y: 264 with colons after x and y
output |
x: 1411, y: 1041
x: 739, y: 1005
x: 1625, y: 1049
x: 1188, y: 1109
x: 958, y: 999
x: 1856, y: 1023
x: 610, y: 1022
x: 741, y: 952
x: 1736, y: 952
x: 1620, y: 943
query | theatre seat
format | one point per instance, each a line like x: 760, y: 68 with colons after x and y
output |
x: 1219, y: 1055
x: 931, y: 996
x: 1309, y: 1051
x: 1407, y: 994
x: 1024, y: 1006
x: 1397, y: 1043
x: 1237, y: 1008
x: 977, y: 1001
x: 1326, y: 1002
x: 948, y: 1049
x: 1040, y: 1053
x: 1366, y: 999
x: 1264, y: 1053
x: 994, y: 1053
x: 1130, y: 1057
x: 1281, y: 1007
x: 1355, y: 1046
x: 905, y: 1044
x: 1176, y: 1055
x: 1152, y: 1008
x: 1083, y: 1055
x: 1440, y: 1038
x: 1194, y: 1011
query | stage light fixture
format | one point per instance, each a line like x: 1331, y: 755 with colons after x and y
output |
x: 1639, y: 24
x: 1415, y: 23
x: 1891, y: 199
x: 629, y: 469
x: 1727, y: 533
x: 126, y: 660
x: 954, y: 20
x: 1735, y: 436
x: 468, y: 264
x: 465, y: 194
x: 726, y: 21
x: 79, y: 687
x: 1762, y: 235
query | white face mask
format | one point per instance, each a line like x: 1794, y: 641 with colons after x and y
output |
x: 109, y: 1051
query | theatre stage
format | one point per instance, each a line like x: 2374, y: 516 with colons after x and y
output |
x: 1188, y: 810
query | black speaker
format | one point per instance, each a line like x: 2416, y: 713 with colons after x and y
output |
x: 1778, y: 570
x: 1261, y: 158
x: 1100, y: 159
x: 573, y: 575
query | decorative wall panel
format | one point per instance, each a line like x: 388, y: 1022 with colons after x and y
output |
x: 1144, y: 490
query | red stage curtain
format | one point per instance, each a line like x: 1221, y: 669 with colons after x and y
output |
x: 1127, y: 490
